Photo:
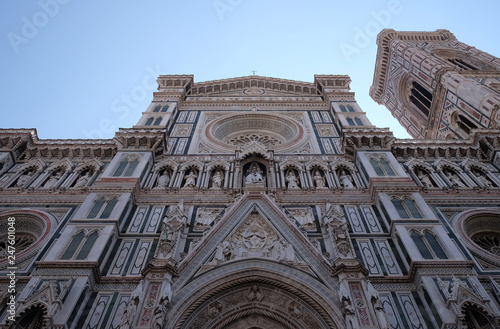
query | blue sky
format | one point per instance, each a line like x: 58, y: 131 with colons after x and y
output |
x: 82, y: 69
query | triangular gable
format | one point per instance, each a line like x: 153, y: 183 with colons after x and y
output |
x: 254, y: 214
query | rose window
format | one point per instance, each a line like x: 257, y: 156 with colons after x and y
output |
x: 489, y: 242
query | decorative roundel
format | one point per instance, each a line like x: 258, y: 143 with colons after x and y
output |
x: 29, y: 229
x: 268, y: 130
x: 480, y: 230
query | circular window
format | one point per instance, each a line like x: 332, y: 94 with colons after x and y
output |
x: 480, y: 231
x: 29, y: 231
x: 270, y: 131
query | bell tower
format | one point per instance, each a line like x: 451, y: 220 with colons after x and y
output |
x: 436, y: 86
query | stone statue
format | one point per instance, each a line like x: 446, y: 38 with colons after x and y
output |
x: 346, y: 180
x: 254, y: 174
x: 82, y: 180
x: 289, y: 253
x: 160, y: 313
x: 278, y: 250
x: 52, y: 181
x: 128, y: 314
x: 318, y: 179
x: 163, y: 180
x: 349, y: 315
x: 291, y: 180
x: 217, y: 179
x: 223, y: 252
x: 425, y: 179
x: 485, y: 181
x: 24, y: 178
x: 455, y: 180
x: 303, y: 216
x: 377, y: 305
x: 191, y: 179
x: 205, y: 216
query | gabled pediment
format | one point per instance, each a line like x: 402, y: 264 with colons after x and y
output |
x: 253, y: 228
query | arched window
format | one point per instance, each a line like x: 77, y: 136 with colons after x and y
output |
x: 428, y: 246
x: 157, y: 122
x: 165, y: 108
x: 382, y: 167
x: 350, y: 108
x: 342, y: 108
x: 80, y: 246
x: 406, y: 208
x: 358, y: 121
x: 157, y: 109
x: 126, y: 168
x: 350, y: 121
x: 421, y: 98
x: 149, y: 121
x: 102, y: 208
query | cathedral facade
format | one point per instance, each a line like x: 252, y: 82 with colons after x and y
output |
x: 257, y: 202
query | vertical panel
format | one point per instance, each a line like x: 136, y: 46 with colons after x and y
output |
x: 371, y: 220
x: 369, y: 257
x: 121, y: 258
x: 140, y: 258
x: 138, y: 219
x: 116, y: 316
x: 97, y: 312
x: 411, y: 311
x: 391, y: 312
x: 154, y: 220
x: 388, y: 257
x: 354, y: 219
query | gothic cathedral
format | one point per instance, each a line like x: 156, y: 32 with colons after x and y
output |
x: 259, y: 203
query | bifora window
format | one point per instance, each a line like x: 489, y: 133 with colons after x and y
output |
x: 382, y: 167
x: 80, y: 246
x: 406, y: 208
x: 428, y: 245
x: 126, y: 168
x: 102, y: 208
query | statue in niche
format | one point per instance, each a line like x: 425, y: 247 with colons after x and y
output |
x: 163, y: 180
x: 319, y: 180
x: 191, y: 179
x: 454, y: 179
x: 53, y: 179
x: 254, y: 174
x: 24, y: 178
x: 425, y: 179
x: 291, y: 179
x: 217, y: 179
x: 346, y: 179
x: 481, y: 178
x: 82, y: 180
